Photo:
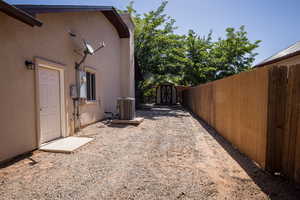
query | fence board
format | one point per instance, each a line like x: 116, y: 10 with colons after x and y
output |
x: 297, y: 156
x: 290, y: 163
x: 276, y: 117
x: 235, y: 107
x: 258, y: 112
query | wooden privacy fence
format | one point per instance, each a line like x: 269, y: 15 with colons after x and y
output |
x: 258, y: 112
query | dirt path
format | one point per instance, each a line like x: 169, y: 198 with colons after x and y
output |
x: 170, y: 156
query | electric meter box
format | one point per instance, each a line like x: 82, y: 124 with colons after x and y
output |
x: 73, y: 92
x: 80, y: 91
x: 82, y: 84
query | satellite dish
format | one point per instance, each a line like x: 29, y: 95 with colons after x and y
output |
x: 89, y: 49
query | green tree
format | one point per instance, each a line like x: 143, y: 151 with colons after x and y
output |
x: 163, y: 56
x: 199, y: 68
x: 233, y: 54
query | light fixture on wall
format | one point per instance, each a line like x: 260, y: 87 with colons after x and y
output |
x: 30, y: 65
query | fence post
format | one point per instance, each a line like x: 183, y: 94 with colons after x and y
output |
x: 290, y: 163
x: 277, y: 98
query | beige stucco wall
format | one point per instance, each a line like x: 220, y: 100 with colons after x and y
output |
x: 127, y: 60
x: 20, y: 42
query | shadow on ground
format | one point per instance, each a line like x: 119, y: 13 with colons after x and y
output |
x: 276, y: 187
x: 17, y: 159
x: 111, y: 125
x: 157, y: 111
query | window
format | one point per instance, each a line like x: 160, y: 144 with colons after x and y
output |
x: 91, y: 86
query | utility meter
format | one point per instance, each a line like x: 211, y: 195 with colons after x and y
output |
x: 82, y: 84
x: 73, y: 92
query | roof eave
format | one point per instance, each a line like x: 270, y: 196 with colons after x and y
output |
x: 114, y: 17
x: 19, y: 14
x: 278, y: 59
x: 109, y: 12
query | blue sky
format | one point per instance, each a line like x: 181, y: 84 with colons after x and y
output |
x: 272, y: 21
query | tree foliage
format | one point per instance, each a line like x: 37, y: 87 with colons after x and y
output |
x: 233, y: 54
x: 199, y: 68
x: 163, y: 56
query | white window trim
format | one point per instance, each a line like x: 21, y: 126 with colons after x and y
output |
x: 93, y: 71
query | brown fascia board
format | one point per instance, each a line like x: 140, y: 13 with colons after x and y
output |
x: 118, y: 23
x: 18, y: 14
x: 278, y: 59
x: 109, y: 12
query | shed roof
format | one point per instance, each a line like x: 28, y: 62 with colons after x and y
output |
x: 18, y: 14
x: 109, y: 12
x: 289, y: 52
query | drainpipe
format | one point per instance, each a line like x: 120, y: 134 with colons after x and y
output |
x: 76, y: 100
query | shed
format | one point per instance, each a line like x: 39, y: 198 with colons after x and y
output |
x: 166, y: 94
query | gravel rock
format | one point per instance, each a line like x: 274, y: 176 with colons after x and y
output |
x: 171, y: 155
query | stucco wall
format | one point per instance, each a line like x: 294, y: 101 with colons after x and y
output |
x: 20, y: 42
x: 127, y: 60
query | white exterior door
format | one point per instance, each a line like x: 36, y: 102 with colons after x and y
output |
x: 50, y: 116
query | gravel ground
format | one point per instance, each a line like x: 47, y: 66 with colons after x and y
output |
x: 171, y: 155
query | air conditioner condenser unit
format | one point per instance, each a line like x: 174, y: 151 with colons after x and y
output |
x: 126, y: 108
